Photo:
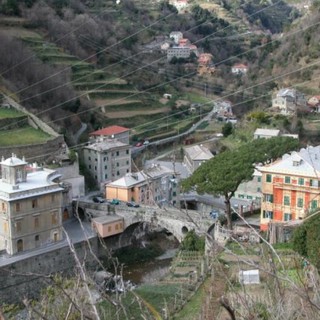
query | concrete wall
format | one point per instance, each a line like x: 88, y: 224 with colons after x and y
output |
x: 26, y: 278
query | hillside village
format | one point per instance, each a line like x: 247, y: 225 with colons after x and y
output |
x: 89, y: 182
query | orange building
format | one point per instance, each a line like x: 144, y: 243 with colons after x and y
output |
x: 155, y: 185
x: 290, y: 187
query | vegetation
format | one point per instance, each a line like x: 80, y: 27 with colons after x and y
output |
x: 223, y: 174
x: 306, y: 240
x: 192, y: 242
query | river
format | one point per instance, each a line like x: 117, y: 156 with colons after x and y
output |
x: 149, y: 271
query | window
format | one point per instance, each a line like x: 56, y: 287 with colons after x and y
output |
x: 127, y: 151
x: 118, y: 173
x: 258, y: 189
x: 89, y: 166
x: 249, y: 197
x: 286, y: 200
x: 109, y: 228
x: 36, y: 222
x: 18, y: 207
x: 5, y: 226
x: 18, y: 225
x: 105, y: 167
x: 89, y: 158
x: 54, y: 218
x: 300, y: 181
x: 268, y: 198
x: 314, y: 204
x: 95, y: 168
x: 267, y: 214
x: 174, y: 193
x: 287, y: 179
x: 117, y: 153
x: 37, y: 238
x: 118, y: 164
x: 287, y: 216
x: 106, y: 176
x: 127, y: 162
x: 116, y: 226
x: 300, y: 202
x: 268, y: 178
x: 314, y: 183
x: 34, y: 203
x: 95, y: 159
x: 259, y: 179
x: 105, y: 159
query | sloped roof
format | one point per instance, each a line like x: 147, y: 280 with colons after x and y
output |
x: 306, y: 163
x: 108, y: 131
x: 131, y: 179
x: 198, y: 152
x: 267, y: 132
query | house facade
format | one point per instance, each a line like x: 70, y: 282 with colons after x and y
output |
x: 194, y: 156
x: 239, y: 69
x: 287, y: 101
x: 107, y: 159
x: 262, y: 133
x: 176, y: 36
x: 178, y: 52
x: 314, y: 103
x: 30, y: 205
x: 154, y: 185
x: 290, y: 187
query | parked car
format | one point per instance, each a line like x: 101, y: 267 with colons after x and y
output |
x: 114, y: 201
x: 98, y: 199
x: 133, y: 204
x: 139, y: 144
x: 146, y: 143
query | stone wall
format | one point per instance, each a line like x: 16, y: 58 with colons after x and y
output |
x: 35, y: 152
x: 26, y: 278
x: 13, y: 123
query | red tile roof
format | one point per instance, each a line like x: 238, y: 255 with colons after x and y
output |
x: 108, y: 131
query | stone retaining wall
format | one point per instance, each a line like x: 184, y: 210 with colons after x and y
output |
x: 26, y: 278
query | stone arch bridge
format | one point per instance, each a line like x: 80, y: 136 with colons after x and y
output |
x: 178, y: 222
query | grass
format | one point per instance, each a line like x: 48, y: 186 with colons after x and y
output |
x: 10, y: 113
x: 23, y: 136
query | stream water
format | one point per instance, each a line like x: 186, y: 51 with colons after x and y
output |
x: 149, y: 271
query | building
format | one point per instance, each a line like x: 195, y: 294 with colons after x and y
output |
x: 290, y: 187
x: 108, y: 225
x: 261, y: 133
x: 194, y: 156
x: 176, y: 36
x: 30, y: 206
x: 107, y: 159
x: 114, y: 132
x: 154, y: 185
x: 251, y: 190
x: 239, y: 69
x: 314, y: 103
x: 181, y: 5
x: 178, y: 52
x: 266, y: 133
x: 205, y: 59
x: 287, y: 101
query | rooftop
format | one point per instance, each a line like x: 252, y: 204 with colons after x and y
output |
x: 108, y: 131
x: 105, y: 144
x: 198, y: 152
x: 305, y: 163
x: 267, y: 132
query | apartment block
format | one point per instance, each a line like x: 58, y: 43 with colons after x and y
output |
x: 30, y: 206
x: 290, y: 187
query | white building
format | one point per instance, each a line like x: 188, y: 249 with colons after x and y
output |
x: 107, y: 159
x: 178, y: 52
x: 266, y: 133
x: 176, y: 36
x: 287, y: 101
x: 30, y: 204
x: 195, y: 156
